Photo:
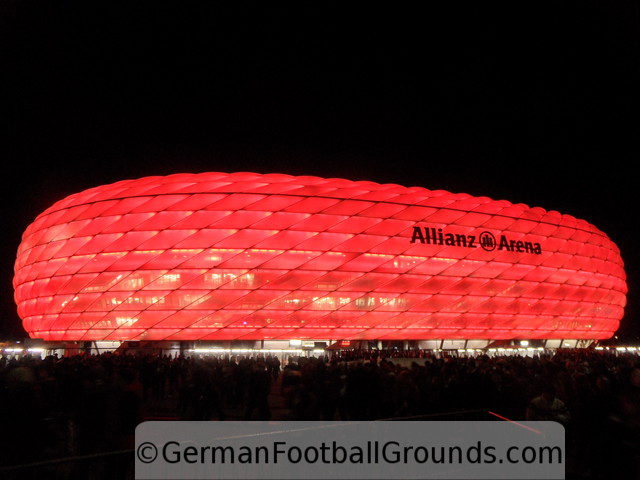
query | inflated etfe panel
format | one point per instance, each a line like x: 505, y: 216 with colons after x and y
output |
x: 218, y: 256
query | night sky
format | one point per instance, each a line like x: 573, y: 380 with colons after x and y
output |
x: 530, y: 103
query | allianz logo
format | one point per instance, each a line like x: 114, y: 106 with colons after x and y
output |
x: 485, y: 240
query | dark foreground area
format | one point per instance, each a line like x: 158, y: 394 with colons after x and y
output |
x: 88, y: 406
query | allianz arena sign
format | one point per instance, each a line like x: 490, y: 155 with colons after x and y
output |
x: 247, y: 256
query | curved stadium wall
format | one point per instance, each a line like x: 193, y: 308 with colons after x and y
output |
x: 246, y: 256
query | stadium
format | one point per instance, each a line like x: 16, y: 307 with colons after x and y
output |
x: 274, y: 261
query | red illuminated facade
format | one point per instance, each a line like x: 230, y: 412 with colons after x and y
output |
x: 245, y: 256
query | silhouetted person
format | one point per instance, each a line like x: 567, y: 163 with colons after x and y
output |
x: 547, y: 406
x: 258, y: 390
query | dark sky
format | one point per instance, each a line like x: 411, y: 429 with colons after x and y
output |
x: 530, y: 103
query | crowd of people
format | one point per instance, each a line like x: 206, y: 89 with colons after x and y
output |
x: 71, y: 406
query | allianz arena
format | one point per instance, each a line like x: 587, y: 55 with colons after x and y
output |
x: 247, y: 256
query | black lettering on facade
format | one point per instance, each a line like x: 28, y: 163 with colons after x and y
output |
x: 436, y: 236
x: 417, y: 235
x: 461, y: 240
x: 472, y: 241
x: 504, y: 243
x: 450, y: 239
